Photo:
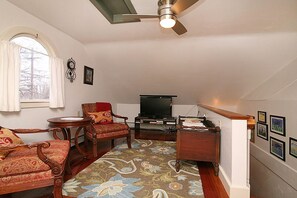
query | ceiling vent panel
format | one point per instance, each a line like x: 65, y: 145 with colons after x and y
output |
x: 109, y: 8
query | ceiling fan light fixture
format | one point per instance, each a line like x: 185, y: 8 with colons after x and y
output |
x: 167, y: 21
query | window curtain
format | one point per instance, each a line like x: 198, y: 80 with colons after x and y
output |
x: 57, y: 95
x: 9, y: 76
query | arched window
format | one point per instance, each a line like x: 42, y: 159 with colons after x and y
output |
x: 34, y: 69
x: 33, y: 75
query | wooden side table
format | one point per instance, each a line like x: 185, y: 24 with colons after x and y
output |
x: 198, y: 144
x: 65, y: 123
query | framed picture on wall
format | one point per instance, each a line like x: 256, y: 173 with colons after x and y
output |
x: 262, y: 130
x: 277, y: 148
x: 293, y: 147
x: 262, y: 116
x: 88, y: 75
x: 278, y: 125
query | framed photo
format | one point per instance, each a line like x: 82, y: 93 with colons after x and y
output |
x: 262, y: 130
x: 277, y: 148
x: 88, y: 75
x: 278, y: 125
x: 293, y: 147
x: 262, y: 116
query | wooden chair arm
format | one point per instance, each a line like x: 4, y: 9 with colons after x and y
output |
x: 118, y: 116
x: 121, y: 117
x: 55, y: 166
x: 25, y: 131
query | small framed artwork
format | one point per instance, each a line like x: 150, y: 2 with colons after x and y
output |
x: 278, y: 125
x: 262, y: 116
x: 277, y: 148
x: 262, y: 130
x: 293, y: 147
x: 88, y: 75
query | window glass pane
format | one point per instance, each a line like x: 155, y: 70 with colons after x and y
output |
x: 34, y: 74
x: 29, y: 43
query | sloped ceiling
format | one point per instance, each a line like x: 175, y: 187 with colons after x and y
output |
x: 281, y: 86
x: 230, y: 49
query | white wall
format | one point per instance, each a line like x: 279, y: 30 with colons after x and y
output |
x: 65, y: 47
x: 234, y: 154
x: 270, y: 176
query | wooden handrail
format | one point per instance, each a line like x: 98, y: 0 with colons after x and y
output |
x: 227, y: 114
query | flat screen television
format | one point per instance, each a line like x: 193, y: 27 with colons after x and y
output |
x: 156, y: 106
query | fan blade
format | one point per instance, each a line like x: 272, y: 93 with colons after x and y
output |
x: 181, y: 5
x: 179, y: 28
x: 127, y: 17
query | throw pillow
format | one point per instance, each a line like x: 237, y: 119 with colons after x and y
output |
x: 8, y: 138
x: 101, y: 117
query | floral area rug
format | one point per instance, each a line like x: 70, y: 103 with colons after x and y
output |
x: 146, y: 170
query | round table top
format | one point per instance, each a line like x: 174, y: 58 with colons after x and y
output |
x: 69, y: 121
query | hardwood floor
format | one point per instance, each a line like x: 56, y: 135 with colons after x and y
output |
x: 212, y: 185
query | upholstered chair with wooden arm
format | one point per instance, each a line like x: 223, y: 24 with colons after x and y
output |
x: 103, y: 126
x: 31, y: 166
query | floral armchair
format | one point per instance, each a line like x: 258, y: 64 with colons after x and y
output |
x: 103, y: 126
x: 31, y: 166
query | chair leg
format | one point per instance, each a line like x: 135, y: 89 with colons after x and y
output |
x: 95, y: 148
x: 58, y: 183
x: 68, y: 170
x: 112, y: 143
x: 129, y: 141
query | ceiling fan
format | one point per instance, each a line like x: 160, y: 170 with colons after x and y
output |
x: 167, y: 14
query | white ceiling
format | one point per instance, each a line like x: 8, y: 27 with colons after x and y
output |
x: 81, y: 20
x: 231, y: 46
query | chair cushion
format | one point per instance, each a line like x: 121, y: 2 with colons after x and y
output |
x: 101, y: 117
x: 110, y: 127
x: 8, y: 138
x: 27, y: 162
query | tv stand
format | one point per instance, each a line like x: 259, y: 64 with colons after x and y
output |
x: 161, y: 124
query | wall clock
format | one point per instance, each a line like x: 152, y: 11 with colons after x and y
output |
x: 70, y: 73
x: 71, y: 64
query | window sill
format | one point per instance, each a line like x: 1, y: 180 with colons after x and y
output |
x: 27, y: 105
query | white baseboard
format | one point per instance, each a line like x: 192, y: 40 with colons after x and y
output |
x: 233, y: 191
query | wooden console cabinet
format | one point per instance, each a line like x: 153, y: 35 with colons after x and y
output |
x: 198, y: 144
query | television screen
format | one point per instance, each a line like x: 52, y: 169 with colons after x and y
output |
x: 155, y: 106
